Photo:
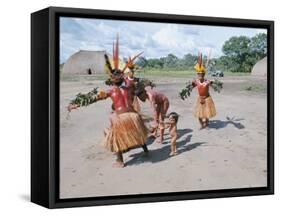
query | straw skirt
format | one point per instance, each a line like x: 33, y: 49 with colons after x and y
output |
x: 128, y: 131
x: 205, y: 107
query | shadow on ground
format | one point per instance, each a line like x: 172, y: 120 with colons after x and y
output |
x: 182, y: 132
x: 161, y: 154
x: 218, y: 124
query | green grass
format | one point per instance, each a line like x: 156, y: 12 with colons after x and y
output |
x: 150, y: 74
x: 76, y: 78
x: 166, y: 73
x: 181, y: 73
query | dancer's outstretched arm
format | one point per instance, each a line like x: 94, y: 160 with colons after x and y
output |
x: 86, y: 99
x: 186, y: 91
x: 216, y: 85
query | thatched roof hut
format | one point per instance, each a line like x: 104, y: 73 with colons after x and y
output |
x: 260, y: 68
x: 85, y: 62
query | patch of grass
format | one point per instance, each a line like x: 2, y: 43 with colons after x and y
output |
x: 77, y: 78
x: 166, y: 73
x: 154, y: 74
x: 181, y: 73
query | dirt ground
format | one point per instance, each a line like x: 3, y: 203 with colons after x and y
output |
x: 231, y: 153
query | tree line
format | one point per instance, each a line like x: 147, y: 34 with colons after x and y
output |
x: 240, y: 53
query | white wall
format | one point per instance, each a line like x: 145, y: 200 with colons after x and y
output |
x: 15, y: 106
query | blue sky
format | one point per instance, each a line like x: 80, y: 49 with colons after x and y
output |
x: 155, y: 39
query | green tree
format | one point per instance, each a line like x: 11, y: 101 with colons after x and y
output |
x: 241, y: 53
x: 155, y: 63
x: 170, y: 61
x: 189, y: 60
x: 236, y: 49
x: 258, y: 45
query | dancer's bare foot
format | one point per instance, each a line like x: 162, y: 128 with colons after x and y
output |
x: 201, y: 127
x: 118, y: 164
x: 173, y: 153
x: 206, y: 124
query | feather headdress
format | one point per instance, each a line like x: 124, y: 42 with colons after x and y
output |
x: 113, y: 69
x: 130, y: 64
x: 199, y: 67
x: 115, y: 58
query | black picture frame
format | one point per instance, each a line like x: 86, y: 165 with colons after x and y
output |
x: 45, y: 107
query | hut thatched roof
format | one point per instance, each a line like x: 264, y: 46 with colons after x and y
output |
x: 85, y: 62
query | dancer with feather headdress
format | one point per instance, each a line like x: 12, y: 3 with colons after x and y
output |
x: 205, y: 107
x: 127, y: 127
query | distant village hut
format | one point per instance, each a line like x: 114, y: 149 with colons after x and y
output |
x: 85, y: 62
x: 260, y: 68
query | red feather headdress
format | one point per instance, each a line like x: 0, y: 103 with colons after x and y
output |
x: 115, y: 56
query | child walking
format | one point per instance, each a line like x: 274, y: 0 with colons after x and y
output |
x: 172, y: 126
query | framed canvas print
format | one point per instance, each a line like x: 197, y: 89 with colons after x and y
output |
x: 138, y: 107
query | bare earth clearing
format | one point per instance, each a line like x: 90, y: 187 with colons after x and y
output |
x: 231, y: 153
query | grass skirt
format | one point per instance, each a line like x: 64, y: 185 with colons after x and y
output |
x: 206, y: 109
x: 128, y: 131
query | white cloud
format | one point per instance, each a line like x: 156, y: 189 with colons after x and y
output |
x: 155, y: 39
x: 174, y: 40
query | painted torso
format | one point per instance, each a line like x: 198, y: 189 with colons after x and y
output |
x: 130, y: 83
x: 203, y: 87
x: 121, y: 99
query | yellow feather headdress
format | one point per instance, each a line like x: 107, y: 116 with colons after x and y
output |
x: 199, y: 67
